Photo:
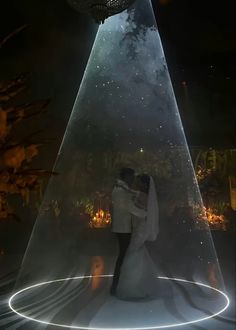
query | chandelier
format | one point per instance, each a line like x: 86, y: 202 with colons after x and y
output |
x: 100, y: 9
x: 101, y: 216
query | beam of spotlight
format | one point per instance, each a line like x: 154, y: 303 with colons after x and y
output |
x: 125, y: 115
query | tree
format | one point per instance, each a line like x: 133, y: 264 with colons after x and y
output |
x: 16, y: 154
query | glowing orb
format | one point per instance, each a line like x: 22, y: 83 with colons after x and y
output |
x: 221, y: 310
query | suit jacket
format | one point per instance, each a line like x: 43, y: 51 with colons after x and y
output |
x: 123, y: 207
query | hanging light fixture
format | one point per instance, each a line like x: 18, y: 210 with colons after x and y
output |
x: 100, y: 9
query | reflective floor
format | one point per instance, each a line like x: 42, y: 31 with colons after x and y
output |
x: 176, y: 304
x: 71, y: 303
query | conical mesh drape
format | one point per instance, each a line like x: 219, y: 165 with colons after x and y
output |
x: 125, y: 115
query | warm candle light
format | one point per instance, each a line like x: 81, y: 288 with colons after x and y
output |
x: 101, y: 219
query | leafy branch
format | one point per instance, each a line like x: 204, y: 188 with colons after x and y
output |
x: 16, y: 154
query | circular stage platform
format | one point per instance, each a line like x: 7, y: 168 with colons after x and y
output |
x: 84, y: 302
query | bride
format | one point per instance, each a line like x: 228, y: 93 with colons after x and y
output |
x: 138, y: 273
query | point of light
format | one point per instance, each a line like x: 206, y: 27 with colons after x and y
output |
x: 174, y: 325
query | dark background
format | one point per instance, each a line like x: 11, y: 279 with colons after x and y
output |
x: 199, y: 42
x: 198, y: 39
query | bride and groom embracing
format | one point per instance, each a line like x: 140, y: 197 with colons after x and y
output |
x: 134, y: 221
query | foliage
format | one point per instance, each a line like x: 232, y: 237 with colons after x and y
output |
x: 16, y: 176
x: 213, y: 169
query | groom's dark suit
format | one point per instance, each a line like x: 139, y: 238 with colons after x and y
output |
x: 124, y: 240
x: 121, y: 224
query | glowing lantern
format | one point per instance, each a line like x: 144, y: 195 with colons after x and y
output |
x: 100, y: 9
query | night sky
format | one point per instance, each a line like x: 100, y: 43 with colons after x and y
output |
x: 198, y: 39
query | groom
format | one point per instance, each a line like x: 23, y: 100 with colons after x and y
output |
x: 122, y: 199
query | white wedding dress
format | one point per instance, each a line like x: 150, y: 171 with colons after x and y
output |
x: 138, y: 276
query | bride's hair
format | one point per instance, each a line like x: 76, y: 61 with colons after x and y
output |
x: 126, y: 171
x: 145, y: 180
